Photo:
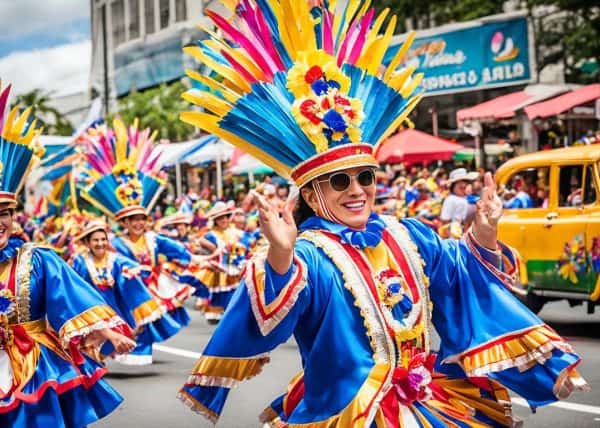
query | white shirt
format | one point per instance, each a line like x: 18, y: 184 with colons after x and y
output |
x: 455, y: 208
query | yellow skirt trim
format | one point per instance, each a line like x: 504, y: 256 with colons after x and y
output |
x: 356, y: 412
x: 147, y: 312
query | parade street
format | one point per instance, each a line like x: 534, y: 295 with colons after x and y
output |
x: 150, y: 391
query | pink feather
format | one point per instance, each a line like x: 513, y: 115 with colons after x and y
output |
x: 239, y: 68
x: 327, y: 33
x: 3, y: 100
x: 265, y: 35
x: 361, y: 37
x: 241, y: 40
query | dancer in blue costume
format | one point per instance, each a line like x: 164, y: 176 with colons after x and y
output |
x: 128, y: 180
x: 358, y: 292
x: 180, y: 224
x: 47, y: 313
x: 222, y: 277
x: 119, y: 280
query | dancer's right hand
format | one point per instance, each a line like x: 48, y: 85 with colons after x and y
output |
x: 279, y: 230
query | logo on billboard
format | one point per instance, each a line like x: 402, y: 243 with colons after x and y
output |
x: 503, y: 48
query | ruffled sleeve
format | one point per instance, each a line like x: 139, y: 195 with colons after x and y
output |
x: 484, y: 329
x: 173, y: 250
x: 262, y: 314
x: 74, y: 308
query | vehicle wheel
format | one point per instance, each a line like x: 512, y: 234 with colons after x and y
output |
x: 534, y: 303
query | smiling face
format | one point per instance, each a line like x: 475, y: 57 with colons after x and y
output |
x: 136, y: 225
x: 351, y: 206
x: 97, y: 242
x: 182, y: 229
x: 6, y: 224
x: 222, y: 222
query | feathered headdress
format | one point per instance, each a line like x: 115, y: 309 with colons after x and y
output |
x: 123, y: 163
x: 302, y: 87
x: 18, y: 149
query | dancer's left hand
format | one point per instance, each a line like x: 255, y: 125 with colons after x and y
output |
x: 489, y: 211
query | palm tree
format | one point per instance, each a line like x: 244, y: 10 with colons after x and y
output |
x: 54, y: 122
x: 158, y: 108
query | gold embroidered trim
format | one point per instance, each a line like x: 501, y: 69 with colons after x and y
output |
x: 23, y: 282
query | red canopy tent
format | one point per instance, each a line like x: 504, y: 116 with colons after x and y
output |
x: 411, y: 146
x: 564, y: 102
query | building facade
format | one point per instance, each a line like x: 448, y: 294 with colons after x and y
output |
x: 137, y: 44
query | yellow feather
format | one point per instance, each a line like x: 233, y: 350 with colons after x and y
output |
x: 411, y: 86
x: 207, y: 101
x: 225, y: 92
x: 7, y: 131
x: 364, y: 9
x: 379, y: 48
x: 282, y: 25
x: 19, y: 126
x: 374, y: 31
x: 136, y: 123
x: 153, y: 135
x: 31, y: 132
x: 231, y: 75
x: 290, y: 27
x: 398, y: 80
x: 210, y: 124
x: 121, y: 143
x: 399, y: 55
x: 246, y: 62
x: 398, y: 121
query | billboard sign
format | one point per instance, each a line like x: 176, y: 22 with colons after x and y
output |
x: 479, y: 56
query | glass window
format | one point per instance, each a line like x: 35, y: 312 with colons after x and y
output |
x: 180, y: 10
x: 163, y: 9
x: 528, y: 188
x: 118, y: 22
x: 589, y: 196
x: 149, y: 18
x: 134, y: 19
x: 570, y: 186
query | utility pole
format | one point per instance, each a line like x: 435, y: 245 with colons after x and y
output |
x: 105, y: 60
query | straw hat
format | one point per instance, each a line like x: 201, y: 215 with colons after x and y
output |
x: 220, y: 209
x: 461, y: 174
x: 91, y: 227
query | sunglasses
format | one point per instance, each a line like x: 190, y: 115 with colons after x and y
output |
x: 340, y: 181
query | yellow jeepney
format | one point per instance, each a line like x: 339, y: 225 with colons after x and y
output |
x: 555, y: 226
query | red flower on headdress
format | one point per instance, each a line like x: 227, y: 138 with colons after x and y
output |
x: 313, y: 73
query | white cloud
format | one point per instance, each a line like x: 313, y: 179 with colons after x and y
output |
x: 64, y: 69
x: 27, y: 16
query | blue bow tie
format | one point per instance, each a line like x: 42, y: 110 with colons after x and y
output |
x: 11, y: 248
x: 370, y: 236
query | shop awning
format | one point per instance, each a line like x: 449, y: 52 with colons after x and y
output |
x: 506, y: 106
x: 411, y: 146
x: 174, y: 153
x: 242, y: 163
x: 564, y: 102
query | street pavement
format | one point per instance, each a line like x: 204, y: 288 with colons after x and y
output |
x: 150, y: 391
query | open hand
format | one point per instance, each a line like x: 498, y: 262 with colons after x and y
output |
x: 279, y: 230
x: 489, y: 211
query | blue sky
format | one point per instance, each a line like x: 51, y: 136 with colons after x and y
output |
x: 65, y: 33
x: 45, y: 44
